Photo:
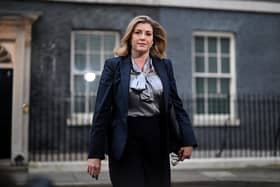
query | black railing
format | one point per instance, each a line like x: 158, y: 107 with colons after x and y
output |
x: 250, y: 127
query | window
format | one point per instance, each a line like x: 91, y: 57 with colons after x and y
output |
x: 213, y: 78
x: 7, y: 53
x: 89, y: 49
x: 5, y: 56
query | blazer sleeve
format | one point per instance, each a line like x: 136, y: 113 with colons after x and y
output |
x: 102, y: 113
x: 183, y: 119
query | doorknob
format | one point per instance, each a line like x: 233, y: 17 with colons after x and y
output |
x: 25, y: 108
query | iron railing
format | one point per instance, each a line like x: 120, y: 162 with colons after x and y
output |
x: 252, y: 129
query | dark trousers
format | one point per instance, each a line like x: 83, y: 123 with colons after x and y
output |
x: 144, y: 163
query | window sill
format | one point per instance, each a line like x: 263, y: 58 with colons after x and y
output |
x: 215, y: 120
x: 79, y: 119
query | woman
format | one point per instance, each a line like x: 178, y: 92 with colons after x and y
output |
x: 135, y: 93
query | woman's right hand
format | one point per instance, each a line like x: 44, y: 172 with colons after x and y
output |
x: 94, y: 166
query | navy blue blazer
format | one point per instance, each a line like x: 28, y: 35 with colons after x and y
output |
x: 109, y: 124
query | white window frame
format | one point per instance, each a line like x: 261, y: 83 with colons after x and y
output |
x: 85, y: 118
x: 216, y: 119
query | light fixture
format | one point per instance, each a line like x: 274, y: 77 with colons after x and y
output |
x: 89, y: 76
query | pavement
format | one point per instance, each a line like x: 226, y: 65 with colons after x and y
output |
x: 263, y: 173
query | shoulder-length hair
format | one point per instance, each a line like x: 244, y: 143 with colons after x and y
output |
x: 159, y: 38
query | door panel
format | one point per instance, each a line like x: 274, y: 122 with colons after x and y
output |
x: 6, y: 82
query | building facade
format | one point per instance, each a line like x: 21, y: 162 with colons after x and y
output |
x: 52, y: 55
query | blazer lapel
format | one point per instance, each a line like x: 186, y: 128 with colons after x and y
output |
x: 125, y: 67
x: 160, y: 68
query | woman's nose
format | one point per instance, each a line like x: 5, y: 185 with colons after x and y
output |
x: 142, y: 36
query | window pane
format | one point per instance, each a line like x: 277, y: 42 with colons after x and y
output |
x: 212, y: 63
x: 199, y: 86
x: 79, y: 84
x: 225, y: 86
x: 212, y: 45
x: 225, y: 45
x: 90, y: 50
x: 94, y: 62
x: 200, y: 104
x: 212, y: 105
x: 94, y: 42
x: 218, y: 106
x: 224, y: 106
x: 199, y: 44
x: 225, y: 65
x: 79, y: 104
x: 80, y: 42
x: 199, y: 64
x: 107, y: 56
x: 80, y: 62
x: 212, y: 85
x: 94, y: 85
x: 109, y: 42
x: 91, y: 103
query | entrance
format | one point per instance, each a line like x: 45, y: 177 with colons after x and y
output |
x: 6, y: 85
x: 15, y: 48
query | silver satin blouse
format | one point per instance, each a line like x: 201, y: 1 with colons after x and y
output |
x: 145, y: 90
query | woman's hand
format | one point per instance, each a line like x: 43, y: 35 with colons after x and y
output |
x: 185, y: 153
x: 94, y: 166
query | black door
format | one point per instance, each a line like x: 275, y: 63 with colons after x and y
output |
x: 6, y: 85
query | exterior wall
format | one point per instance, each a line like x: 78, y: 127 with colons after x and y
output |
x: 256, y: 35
x: 257, y: 56
x: 50, y: 67
x: 268, y: 6
x: 257, y: 46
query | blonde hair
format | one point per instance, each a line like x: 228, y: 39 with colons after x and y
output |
x: 159, y: 37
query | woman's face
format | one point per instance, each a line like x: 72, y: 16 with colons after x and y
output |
x: 141, y: 38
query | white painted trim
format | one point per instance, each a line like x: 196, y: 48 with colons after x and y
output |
x: 216, y: 120
x: 20, y: 32
x: 72, y: 57
x: 20, y: 121
x: 231, y: 5
x: 79, y: 119
x: 6, y: 66
x: 73, y: 120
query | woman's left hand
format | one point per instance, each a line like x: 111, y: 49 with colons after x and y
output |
x: 185, y: 153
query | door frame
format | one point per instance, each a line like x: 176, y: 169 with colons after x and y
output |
x: 16, y: 27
